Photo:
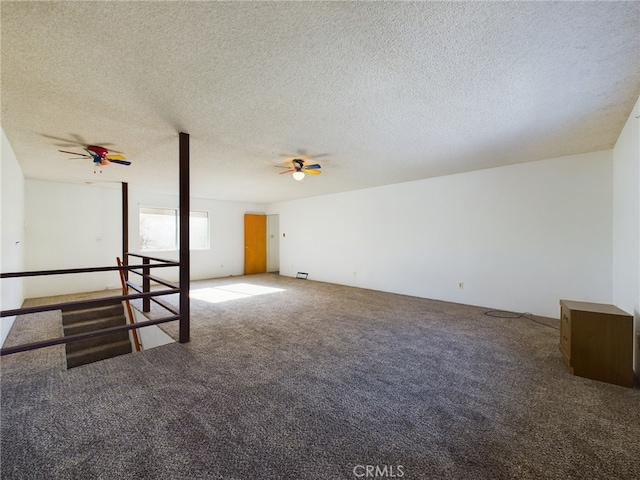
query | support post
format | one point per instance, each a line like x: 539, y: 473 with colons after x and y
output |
x: 184, y: 238
x: 125, y: 228
x: 146, y: 284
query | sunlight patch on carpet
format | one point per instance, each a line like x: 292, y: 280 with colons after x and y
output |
x: 231, y: 292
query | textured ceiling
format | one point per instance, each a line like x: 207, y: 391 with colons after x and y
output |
x: 378, y: 93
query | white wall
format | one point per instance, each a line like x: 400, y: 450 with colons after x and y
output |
x: 519, y: 237
x: 273, y: 243
x: 70, y: 226
x: 626, y: 223
x: 11, y: 234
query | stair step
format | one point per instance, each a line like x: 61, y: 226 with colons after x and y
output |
x: 84, y: 320
x: 101, y: 352
x: 70, y: 317
x: 94, y: 324
x: 96, y: 341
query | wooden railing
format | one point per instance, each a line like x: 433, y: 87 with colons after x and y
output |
x: 132, y: 318
x: 144, y: 293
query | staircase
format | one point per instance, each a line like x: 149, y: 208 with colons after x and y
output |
x: 97, y: 348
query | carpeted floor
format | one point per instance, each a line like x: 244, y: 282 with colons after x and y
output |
x: 318, y: 381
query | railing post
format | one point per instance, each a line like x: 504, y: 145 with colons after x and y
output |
x: 125, y: 228
x: 146, y: 284
x: 184, y: 238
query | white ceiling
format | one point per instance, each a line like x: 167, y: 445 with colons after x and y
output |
x: 378, y: 93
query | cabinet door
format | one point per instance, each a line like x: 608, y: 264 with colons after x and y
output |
x: 602, y: 347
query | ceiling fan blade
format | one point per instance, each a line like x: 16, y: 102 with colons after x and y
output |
x: 315, y: 166
x: 78, y: 138
x: 304, y: 153
x: 312, y: 172
x: 288, y: 171
x: 119, y: 162
x: 76, y: 153
x: 115, y: 157
x: 65, y: 140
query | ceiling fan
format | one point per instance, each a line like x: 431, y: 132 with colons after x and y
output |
x: 100, y: 156
x: 299, y: 169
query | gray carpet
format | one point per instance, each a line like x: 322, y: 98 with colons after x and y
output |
x: 317, y: 382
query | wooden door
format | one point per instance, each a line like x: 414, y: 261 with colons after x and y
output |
x: 255, y: 244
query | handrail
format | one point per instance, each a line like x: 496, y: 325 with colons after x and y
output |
x: 125, y: 291
x: 163, y: 260
x: 37, y: 273
x: 162, y: 281
x: 83, y: 336
x: 96, y: 302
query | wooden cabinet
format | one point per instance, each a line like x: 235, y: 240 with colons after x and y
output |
x: 596, y: 341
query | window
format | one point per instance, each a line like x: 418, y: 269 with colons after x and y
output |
x: 159, y: 229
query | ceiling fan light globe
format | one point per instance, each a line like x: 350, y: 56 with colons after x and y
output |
x: 298, y: 176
